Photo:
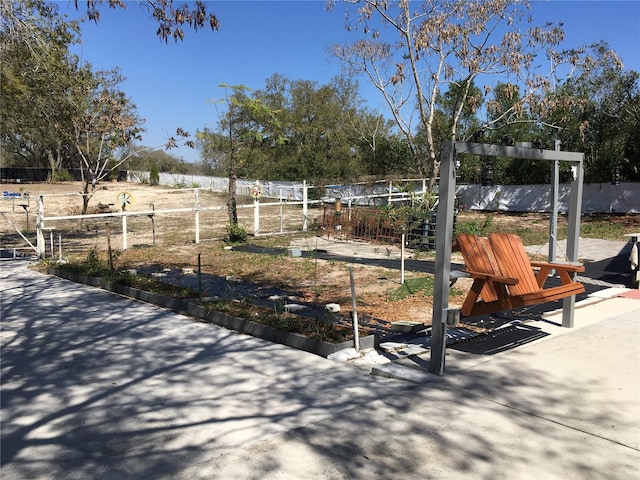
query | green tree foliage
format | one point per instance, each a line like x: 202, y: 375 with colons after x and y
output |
x: 603, y: 118
x: 143, y: 158
x: 389, y: 156
x: 380, y: 151
x: 594, y: 111
x: 412, y: 51
x: 55, y: 111
x: 509, y: 123
x: 105, y: 122
x: 297, y: 129
x: 317, y: 126
x: 245, y: 126
x: 37, y: 75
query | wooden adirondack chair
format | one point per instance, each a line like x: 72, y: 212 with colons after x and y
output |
x: 504, y: 278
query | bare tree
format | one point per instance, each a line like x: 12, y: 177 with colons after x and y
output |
x: 106, y: 124
x: 411, y: 52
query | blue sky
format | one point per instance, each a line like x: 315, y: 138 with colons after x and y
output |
x: 172, y: 83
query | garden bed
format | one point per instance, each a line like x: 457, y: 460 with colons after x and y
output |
x: 313, y: 342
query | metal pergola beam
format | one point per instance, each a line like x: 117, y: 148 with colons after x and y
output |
x: 471, y: 148
x: 444, y: 231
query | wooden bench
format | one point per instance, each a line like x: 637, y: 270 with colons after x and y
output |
x: 504, y: 278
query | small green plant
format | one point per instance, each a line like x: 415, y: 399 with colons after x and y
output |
x: 154, y: 286
x: 319, y: 328
x: 92, y: 266
x: 237, y: 234
x: 412, y: 286
x: 532, y: 237
x: 475, y: 227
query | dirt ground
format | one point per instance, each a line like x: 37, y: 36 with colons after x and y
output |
x: 167, y: 240
x: 322, y: 281
x: 163, y: 215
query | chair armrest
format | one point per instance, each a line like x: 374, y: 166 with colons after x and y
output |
x: 492, y: 277
x: 568, y: 267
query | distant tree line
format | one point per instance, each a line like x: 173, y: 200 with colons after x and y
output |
x: 325, y: 133
x: 58, y: 113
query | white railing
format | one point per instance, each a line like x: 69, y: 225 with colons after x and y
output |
x: 44, y: 222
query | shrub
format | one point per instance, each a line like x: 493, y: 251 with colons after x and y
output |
x: 475, y: 227
x: 93, y: 265
x: 237, y: 234
x: 154, y: 175
x: 61, y: 175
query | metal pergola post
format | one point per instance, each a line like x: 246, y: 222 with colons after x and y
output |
x: 555, y: 190
x: 444, y: 238
x: 444, y: 229
x: 573, y: 236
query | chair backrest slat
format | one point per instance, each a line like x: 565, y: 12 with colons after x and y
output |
x: 478, y: 257
x: 513, y: 261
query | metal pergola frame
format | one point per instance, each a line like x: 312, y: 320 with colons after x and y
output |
x: 444, y: 230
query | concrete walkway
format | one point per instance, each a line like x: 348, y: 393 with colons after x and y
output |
x: 96, y: 386
x: 589, y: 249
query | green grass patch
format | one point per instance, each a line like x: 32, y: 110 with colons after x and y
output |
x: 413, y: 286
x: 475, y: 227
x: 536, y: 237
x: 606, y: 228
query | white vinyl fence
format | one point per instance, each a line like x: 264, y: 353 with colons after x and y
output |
x: 597, y: 197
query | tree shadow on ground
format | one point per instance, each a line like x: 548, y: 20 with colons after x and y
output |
x: 96, y: 386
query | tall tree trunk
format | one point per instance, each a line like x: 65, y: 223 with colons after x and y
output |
x: 87, y: 193
x: 85, y: 201
x: 52, y: 164
x: 231, y: 202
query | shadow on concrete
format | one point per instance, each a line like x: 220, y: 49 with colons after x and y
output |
x: 97, y: 386
x: 501, y: 340
x: 453, y: 429
x: 614, y: 270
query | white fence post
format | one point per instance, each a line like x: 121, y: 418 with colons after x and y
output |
x: 40, y: 227
x: 124, y: 232
x: 197, y: 208
x: 281, y: 213
x: 305, y: 198
x: 402, y: 258
x: 256, y: 210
